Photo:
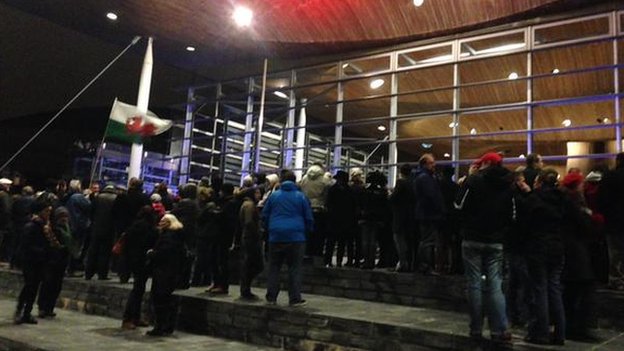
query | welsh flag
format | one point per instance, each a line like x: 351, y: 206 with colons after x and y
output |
x: 127, y: 123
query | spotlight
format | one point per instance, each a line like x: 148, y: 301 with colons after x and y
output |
x: 280, y: 94
x: 345, y: 65
x: 381, y: 128
x: 190, y: 48
x: 513, y: 75
x: 453, y: 125
x: 473, y: 131
x: 242, y: 16
x: 606, y: 120
x: 555, y: 71
x: 377, y: 83
x: 426, y: 145
x: 521, y: 156
x: 447, y: 155
x: 111, y: 16
x: 566, y: 123
x: 419, y: 3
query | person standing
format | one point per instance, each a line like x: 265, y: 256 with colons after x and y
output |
x: 21, y: 211
x: 429, y: 211
x: 33, y: 260
x: 402, y: 202
x: 288, y: 216
x: 611, y: 205
x: 252, y: 262
x: 486, y: 206
x: 341, y: 213
x: 357, y: 187
x: 102, y: 234
x: 534, y: 164
x: 314, y: 185
x: 166, y: 260
x: 373, y: 216
x: 79, y: 209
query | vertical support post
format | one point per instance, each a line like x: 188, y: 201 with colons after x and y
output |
x: 529, y: 39
x: 301, y: 140
x: 616, y: 87
x: 185, y: 155
x: 456, y: 96
x: 248, y: 131
x: 260, y: 123
x: 226, y: 130
x: 214, y: 126
x: 392, y: 128
x: 338, y: 127
x: 290, y: 123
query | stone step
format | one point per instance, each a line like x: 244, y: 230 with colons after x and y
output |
x: 326, y: 323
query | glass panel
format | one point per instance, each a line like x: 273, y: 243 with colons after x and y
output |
x: 426, y: 56
x: 441, y: 100
x: 276, y: 80
x: 360, y: 88
x: 622, y: 22
x: 493, y: 94
x: 363, y: 109
x: 568, y: 31
x: 492, y: 122
x: 425, y: 127
x: 364, y: 66
x: 492, y: 46
x: 409, y: 151
x: 510, y: 145
x: 236, y: 89
x: 317, y: 74
x: 573, y: 85
x: 573, y: 115
x: 559, y: 60
x: 426, y: 78
x: 496, y: 68
x: 573, y: 142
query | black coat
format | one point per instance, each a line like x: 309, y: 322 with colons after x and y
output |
x: 140, y: 237
x: 103, y: 220
x: 166, y: 261
x: 611, y: 200
x: 187, y: 212
x: 402, y: 202
x: 546, y: 211
x: 429, y: 200
x: 374, y: 207
x: 34, y: 245
x: 578, y: 239
x: 341, y: 207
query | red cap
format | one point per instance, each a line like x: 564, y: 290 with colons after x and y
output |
x: 572, y: 180
x: 491, y: 157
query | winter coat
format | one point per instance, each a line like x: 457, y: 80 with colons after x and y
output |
x: 429, y: 201
x: 79, y: 209
x: 228, y: 221
x: 34, y: 245
x: 249, y: 222
x: 166, y: 261
x: 288, y: 215
x: 5, y: 210
x: 103, y: 220
x: 611, y: 200
x: 374, y: 207
x: 22, y: 210
x: 486, y: 205
x: 402, y: 201
x: 140, y: 237
x: 578, y: 238
x: 530, y: 174
x: 314, y: 185
x: 341, y: 207
x: 187, y: 211
x: 546, y: 211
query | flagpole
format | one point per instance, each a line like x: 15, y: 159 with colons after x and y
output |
x: 98, y: 154
x: 136, y: 155
x: 261, y: 118
x: 134, y: 41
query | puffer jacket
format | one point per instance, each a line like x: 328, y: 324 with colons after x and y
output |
x: 314, y: 185
x: 288, y: 215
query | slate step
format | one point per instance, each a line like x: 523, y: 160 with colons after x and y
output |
x: 326, y: 323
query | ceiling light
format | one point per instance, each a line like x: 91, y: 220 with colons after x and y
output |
x: 447, y: 155
x: 190, y: 48
x: 566, y: 123
x: 280, y: 94
x: 377, y: 83
x: 555, y: 71
x: 440, y: 58
x: 453, y: 124
x: 606, y: 120
x: 521, y: 156
x: 242, y: 16
x: 513, y: 75
x: 345, y: 65
x: 426, y: 145
x: 502, y: 48
x: 111, y: 16
x: 473, y: 131
x: 381, y: 128
x: 419, y: 3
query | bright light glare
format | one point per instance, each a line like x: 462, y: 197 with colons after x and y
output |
x: 555, y: 71
x: 447, y: 155
x: 111, y: 16
x: 502, y: 48
x: 381, y: 128
x: 377, y: 83
x: 566, y: 123
x: 453, y: 125
x: 606, y: 120
x: 419, y: 3
x: 190, y: 48
x: 513, y: 75
x: 426, y: 145
x: 242, y: 16
x: 280, y: 94
x: 473, y: 131
x: 521, y: 156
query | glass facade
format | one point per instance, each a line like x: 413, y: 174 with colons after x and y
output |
x: 552, y: 89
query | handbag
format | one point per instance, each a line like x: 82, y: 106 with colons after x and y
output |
x: 120, y: 244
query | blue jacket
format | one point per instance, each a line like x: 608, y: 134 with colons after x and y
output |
x: 288, y: 215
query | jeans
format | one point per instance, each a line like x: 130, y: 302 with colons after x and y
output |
x: 547, y: 309
x: 484, y: 274
x: 291, y: 253
x: 519, y: 295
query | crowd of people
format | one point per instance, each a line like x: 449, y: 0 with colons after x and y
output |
x: 544, y: 233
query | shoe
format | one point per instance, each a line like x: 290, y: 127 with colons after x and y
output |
x: 140, y: 323
x: 17, y: 317
x: 299, y: 303
x: 249, y: 297
x: 128, y: 325
x: 505, y: 337
x: 46, y: 314
x: 218, y: 291
x: 156, y: 332
x: 27, y: 319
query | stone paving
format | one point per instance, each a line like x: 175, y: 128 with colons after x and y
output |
x: 74, y: 331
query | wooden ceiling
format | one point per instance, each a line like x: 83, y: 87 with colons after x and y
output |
x: 281, y: 28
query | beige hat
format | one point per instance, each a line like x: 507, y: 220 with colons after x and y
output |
x: 5, y: 181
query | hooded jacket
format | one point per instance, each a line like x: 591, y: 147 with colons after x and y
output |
x: 314, y: 185
x: 288, y: 215
x: 486, y: 204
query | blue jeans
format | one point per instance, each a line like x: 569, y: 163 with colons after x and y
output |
x: 547, y: 309
x: 291, y: 253
x: 484, y: 274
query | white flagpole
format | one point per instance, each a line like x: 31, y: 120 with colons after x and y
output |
x: 136, y: 156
